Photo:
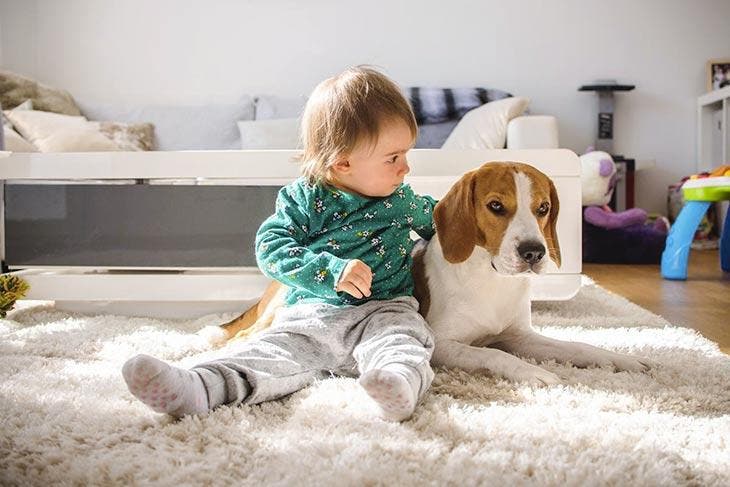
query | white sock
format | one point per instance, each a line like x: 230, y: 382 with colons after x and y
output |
x: 165, y: 389
x: 391, y: 391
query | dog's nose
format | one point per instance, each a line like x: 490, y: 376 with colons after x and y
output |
x: 531, y: 251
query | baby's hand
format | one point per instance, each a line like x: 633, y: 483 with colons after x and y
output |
x: 356, y: 279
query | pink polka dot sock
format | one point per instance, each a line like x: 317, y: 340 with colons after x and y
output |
x: 392, y: 392
x: 165, y: 389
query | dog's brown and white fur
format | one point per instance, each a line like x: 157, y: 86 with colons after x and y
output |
x: 495, y: 227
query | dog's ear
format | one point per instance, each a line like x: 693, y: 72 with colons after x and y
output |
x: 454, y: 218
x: 551, y: 234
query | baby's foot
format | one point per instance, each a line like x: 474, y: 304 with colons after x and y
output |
x: 392, y: 393
x: 163, y: 388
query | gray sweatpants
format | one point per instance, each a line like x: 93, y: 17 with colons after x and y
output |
x: 307, y: 342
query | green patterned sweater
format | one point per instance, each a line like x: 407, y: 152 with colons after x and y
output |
x: 317, y: 229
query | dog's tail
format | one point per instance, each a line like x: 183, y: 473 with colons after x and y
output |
x: 259, y: 316
x: 256, y: 318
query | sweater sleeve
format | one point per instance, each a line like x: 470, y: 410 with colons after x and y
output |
x: 422, y: 214
x: 282, y: 252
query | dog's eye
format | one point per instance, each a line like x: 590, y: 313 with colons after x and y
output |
x: 496, y: 207
x: 543, y: 209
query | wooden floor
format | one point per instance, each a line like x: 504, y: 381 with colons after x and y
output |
x: 702, y: 302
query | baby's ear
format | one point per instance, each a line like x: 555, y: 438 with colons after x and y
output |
x: 341, y: 165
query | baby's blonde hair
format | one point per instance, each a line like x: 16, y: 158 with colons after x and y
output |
x: 345, y: 111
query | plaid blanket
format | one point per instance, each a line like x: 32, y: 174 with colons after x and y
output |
x: 435, y: 105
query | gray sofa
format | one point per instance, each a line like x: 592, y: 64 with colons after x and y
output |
x: 213, y: 126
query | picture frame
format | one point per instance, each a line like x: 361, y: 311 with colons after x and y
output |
x: 718, y: 74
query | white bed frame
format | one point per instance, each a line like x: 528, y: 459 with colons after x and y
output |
x: 184, y: 292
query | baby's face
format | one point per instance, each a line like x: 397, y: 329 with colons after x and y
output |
x: 377, y: 171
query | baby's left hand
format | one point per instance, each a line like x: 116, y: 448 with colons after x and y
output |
x: 356, y: 279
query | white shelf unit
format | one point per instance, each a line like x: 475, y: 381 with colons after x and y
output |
x: 196, y: 291
x: 713, y: 133
x: 713, y: 136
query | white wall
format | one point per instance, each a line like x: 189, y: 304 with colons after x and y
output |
x: 139, y: 51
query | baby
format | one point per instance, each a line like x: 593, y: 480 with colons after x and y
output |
x: 340, y: 240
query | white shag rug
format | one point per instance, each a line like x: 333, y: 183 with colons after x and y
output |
x: 67, y: 418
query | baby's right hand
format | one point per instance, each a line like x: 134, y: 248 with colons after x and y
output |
x: 356, y: 279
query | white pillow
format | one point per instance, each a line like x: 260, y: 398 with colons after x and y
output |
x: 485, y: 127
x: 53, y: 132
x: 15, y: 143
x: 26, y: 105
x: 281, y: 133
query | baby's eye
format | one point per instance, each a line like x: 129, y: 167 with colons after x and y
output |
x: 392, y: 160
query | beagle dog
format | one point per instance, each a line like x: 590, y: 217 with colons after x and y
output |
x: 494, y: 228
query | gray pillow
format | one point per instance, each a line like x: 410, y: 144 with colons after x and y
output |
x: 183, y: 127
x: 270, y: 107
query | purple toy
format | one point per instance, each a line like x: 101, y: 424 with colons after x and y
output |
x: 615, y: 237
x: 600, y: 217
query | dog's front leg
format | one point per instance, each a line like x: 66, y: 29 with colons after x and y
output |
x: 451, y: 353
x: 529, y: 344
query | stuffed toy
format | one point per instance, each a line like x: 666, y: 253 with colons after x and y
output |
x: 625, y: 237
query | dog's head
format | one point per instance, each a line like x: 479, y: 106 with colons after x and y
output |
x: 508, y: 209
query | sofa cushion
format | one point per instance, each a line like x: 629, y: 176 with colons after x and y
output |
x: 14, y: 142
x: 269, y: 107
x: 15, y: 89
x: 485, y: 127
x: 54, y: 132
x: 183, y: 127
x: 282, y: 133
x: 128, y: 136
x: 26, y: 105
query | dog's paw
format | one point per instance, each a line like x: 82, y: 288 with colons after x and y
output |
x: 629, y: 363
x: 533, y: 375
x: 214, y: 335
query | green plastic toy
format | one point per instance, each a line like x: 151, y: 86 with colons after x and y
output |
x: 700, y: 191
